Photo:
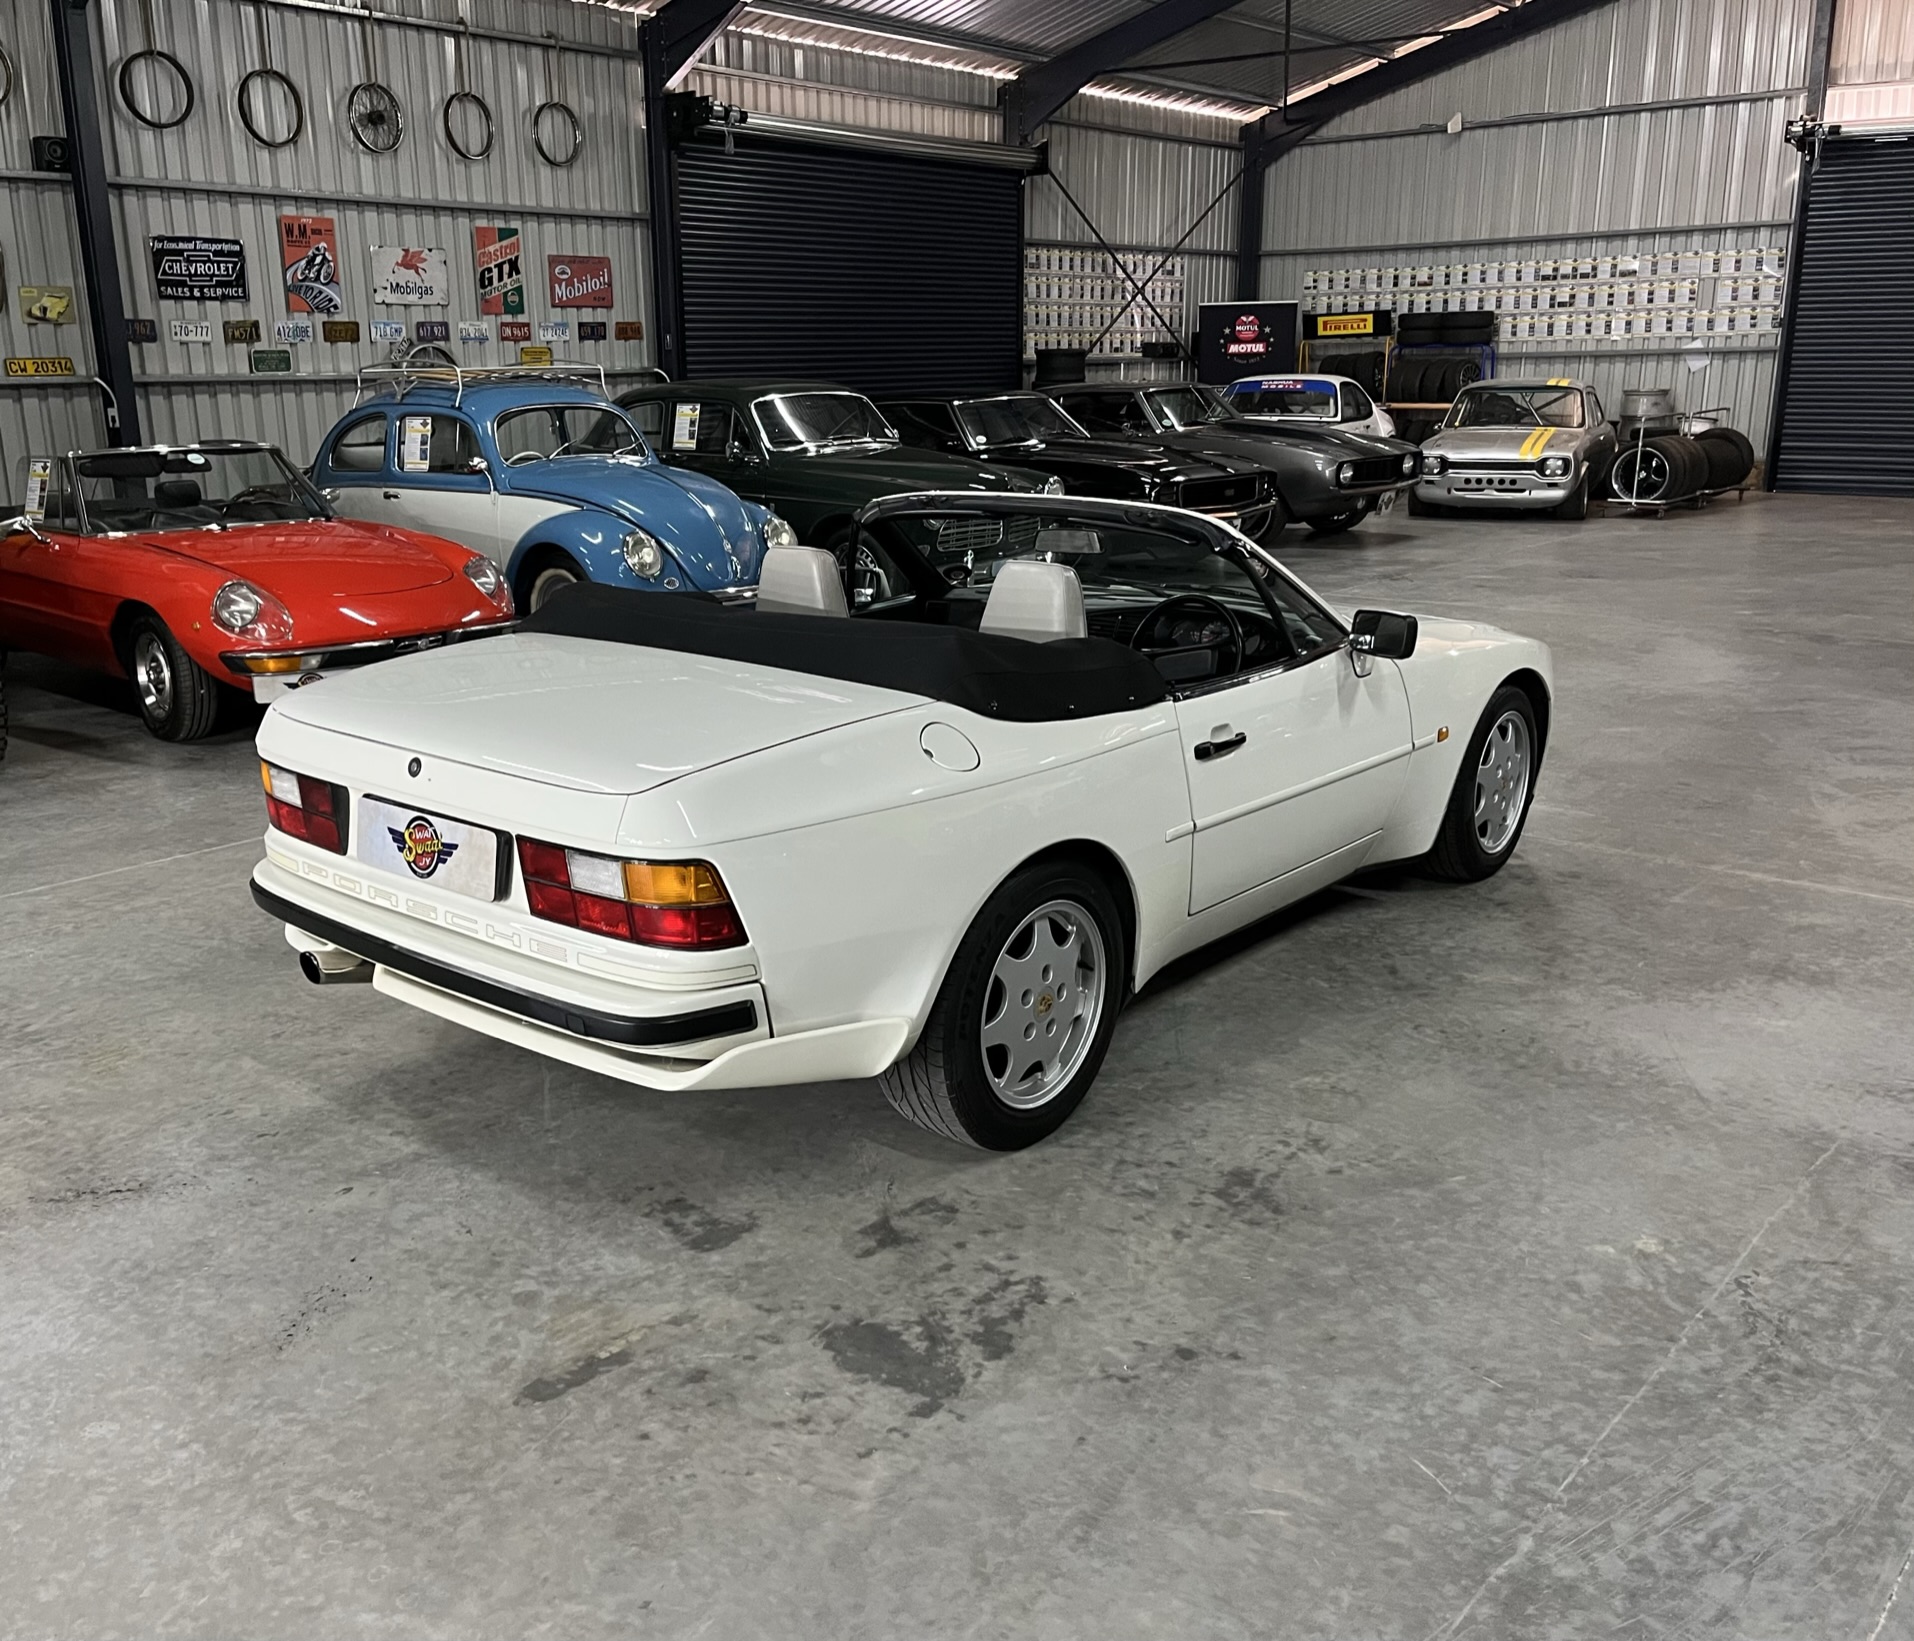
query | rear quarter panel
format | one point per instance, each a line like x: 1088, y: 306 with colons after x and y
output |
x: 857, y: 864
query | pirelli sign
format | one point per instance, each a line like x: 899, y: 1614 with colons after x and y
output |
x: 1346, y: 324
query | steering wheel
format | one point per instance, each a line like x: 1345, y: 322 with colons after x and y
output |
x: 1145, y: 639
x: 519, y: 458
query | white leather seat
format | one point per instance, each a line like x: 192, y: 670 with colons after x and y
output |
x: 1035, y: 600
x: 800, y: 581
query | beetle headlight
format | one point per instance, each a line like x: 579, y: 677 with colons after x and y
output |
x: 778, y: 532
x: 247, y: 611
x: 1434, y: 465
x: 1346, y: 474
x: 643, y: 552
x: 1554, y: 467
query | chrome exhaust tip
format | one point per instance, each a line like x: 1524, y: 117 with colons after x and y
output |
x: 334, y: 968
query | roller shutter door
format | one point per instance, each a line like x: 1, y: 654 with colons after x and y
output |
x: 886, y: 272
x: 1850, y: 362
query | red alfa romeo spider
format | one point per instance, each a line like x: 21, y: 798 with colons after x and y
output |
x: 186, y: 567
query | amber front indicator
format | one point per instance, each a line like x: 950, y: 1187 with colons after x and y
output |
x: 677, y: 903
x: 300, y: 806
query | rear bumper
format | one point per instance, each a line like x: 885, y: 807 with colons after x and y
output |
x: 679, y: 1039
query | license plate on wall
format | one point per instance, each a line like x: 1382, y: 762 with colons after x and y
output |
x: 427, y: 848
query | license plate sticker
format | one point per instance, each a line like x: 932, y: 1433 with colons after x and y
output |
x: 426, y: 848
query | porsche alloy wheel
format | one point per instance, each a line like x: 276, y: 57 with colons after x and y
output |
x: 178, y: 700
x: 1024, y: 1016
x: 1043, y: 1004
x: 1490, y: 801
x: 1502, y: 782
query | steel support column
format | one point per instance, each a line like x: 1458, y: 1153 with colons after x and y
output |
x: 99, y: 251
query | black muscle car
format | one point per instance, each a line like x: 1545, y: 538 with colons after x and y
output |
x: 1032, y: 431
x: 1327, y: 478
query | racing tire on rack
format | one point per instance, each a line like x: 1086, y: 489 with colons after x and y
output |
x: 178, y: 698
x: 1489, y: 804
x: 547, y: 572
x: 1405, y: 381
x: 1730, y: 456
x: 1024, y: 1016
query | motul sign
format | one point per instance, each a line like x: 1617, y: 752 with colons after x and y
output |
x: 579, y: 281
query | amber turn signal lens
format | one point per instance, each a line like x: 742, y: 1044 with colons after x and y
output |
x: 673, y: 883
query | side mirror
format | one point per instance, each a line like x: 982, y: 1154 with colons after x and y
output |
x: 1382, y: 633
x: 22, y: 525
x: 479, y: 468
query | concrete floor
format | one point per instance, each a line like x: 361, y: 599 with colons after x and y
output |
x: 1528, y: 1260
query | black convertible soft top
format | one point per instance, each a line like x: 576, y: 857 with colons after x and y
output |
x: 1010, y: 678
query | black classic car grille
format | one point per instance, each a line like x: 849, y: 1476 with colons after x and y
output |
x: 985, y: 535
x: 1213, y: 495
x: 1377, y: 470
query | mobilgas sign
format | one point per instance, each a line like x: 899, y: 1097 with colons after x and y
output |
x: 198, y: 270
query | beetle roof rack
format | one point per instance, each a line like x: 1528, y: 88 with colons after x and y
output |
x: 404, y: 377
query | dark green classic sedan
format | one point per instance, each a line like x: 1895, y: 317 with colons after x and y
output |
x: 813, y: 452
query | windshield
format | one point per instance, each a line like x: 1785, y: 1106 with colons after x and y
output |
x: 1188, y: 407
x: 790, y: 421
x: 1311, y: 399
x: 1021, y: 418
x: 1517, y: 407
x: 542, y: 432
x: 192, y: 489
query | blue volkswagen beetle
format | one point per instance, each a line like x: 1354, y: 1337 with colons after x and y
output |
x: 544, y: 476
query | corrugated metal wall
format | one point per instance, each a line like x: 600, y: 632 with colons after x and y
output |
x: 209, y: 177
x: 1388, y: 183
x: 1871, y: 63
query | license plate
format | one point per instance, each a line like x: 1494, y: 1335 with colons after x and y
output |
x: 1386, y: 501
x: 427, y: 848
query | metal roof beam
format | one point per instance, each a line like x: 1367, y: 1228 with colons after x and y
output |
x: 1267, y: 140
x: 677, y: 33
x: 1043, y: 88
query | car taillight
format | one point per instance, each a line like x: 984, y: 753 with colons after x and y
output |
x: 305, y: 808
x: 679, y: 903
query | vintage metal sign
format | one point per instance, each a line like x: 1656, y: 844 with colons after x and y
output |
x: 340, y: 330
x: 45, y: 365
x: 411, y: 275
x: 272, y: 361
x: 629, y: 330
x: 46, y: 304
x: 579, y: 281
x: 475, y: 330
x: 191, y: 330
x: 242, y: 330
x: 293, y: 330
x: 309, y: 256
x: 432, y: 330
x: 191, y: 269
x: 501, y: 270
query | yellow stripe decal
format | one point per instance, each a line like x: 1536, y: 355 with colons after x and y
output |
x: 1536, y: 443
x: 1558, y: 381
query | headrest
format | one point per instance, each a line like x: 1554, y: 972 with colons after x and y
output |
x: 800, y: 581
x: 176, y: 493
x: 1036, y: 600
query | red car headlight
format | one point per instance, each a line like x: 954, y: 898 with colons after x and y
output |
x: 489, y: 579
x: 247, y: 611
x: 678, y: 903
x: 305, y: 808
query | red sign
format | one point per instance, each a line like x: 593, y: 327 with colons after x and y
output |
x: 309, y: 257
x: 515, y: 330
x: 579, y: 281
x: 1249, y: 337
x: 501, y: 270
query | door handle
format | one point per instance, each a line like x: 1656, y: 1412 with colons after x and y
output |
x: 390, y: 495
x: 1206, y: 750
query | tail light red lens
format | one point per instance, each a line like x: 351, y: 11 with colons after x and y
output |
x: 678, y: 903
x: 313, y: 811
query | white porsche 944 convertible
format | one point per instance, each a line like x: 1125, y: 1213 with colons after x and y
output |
x: 928, y: 814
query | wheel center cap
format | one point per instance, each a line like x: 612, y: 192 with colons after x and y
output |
x: 1045, y: 1003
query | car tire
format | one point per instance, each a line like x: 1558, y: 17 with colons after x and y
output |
x: 1489, y: 804
x: 1574, y: 505
x: 1420, y: 509
x: 965, y: 1079
x: 546, y: 574
x: 178, y: 698
x: 1334, y: 524
x: 1280, y: 518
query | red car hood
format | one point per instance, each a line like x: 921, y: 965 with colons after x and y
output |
x: 326, y: 559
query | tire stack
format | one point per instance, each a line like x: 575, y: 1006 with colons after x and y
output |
x: 1672, y: 466
x: 1364, y: 368
x: 1431, y: 379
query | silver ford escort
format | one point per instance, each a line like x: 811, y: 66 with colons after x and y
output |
x: 1516, y: 441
